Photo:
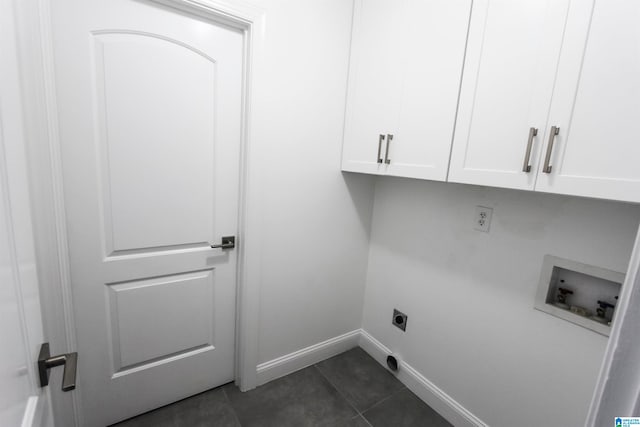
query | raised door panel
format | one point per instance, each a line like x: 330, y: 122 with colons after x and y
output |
x: 506, y: 90
x: 596, y: 104
x: 435, y: 33
x: 178, y: 321
x: 374, y: 83
x: 151, y: 150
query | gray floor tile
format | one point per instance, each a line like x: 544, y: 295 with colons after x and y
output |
x: 404, y: 409
x: 162, y: 417
x: 351, y: 422
x: 208, y: 409
x: 359, y: 378
x: 304, y: 398
x: 313, y: 397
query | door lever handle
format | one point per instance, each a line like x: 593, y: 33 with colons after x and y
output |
x: 228, y: 242
x: 46, y: 362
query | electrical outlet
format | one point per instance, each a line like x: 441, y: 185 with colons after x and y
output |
x: 399, y: 319
x: 482, y: 219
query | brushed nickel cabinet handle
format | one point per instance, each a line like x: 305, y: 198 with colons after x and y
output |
x: 380, y: 141
x: 387, y: 160
x: 547, y: 159
x: 526, y: 167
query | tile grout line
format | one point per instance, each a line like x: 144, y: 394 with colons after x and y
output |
x: 365, y: 420
x: 233, y: 409
x: 385, y: 399
x: 358, y: 413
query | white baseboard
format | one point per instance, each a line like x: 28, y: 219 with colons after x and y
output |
x: 440, y: 401
x: 297, y: 360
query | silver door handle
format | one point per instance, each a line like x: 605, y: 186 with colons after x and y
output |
x: 46, y: 362
x: 387, y: 160
x: 547, y: 159
x: 526, y: 167
x: 380, y: 141
x: 228, y: 242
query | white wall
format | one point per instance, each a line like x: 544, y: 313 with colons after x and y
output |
x: 472, y: 329
x: 315, y: 220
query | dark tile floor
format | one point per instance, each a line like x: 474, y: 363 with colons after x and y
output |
x: 348, y: 390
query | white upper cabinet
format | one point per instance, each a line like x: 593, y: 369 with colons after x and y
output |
x: 406, y: 66
x: 549, y: 99
x: 510, y: 65
x: 596, y: 104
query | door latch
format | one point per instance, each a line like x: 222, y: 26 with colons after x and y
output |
x: 228, y: 242
x: 46, y: 362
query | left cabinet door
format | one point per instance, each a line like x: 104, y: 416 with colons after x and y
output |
x: 375, y: 83
x: 433, y: 44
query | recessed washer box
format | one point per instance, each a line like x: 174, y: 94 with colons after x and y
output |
x: 586, y: 288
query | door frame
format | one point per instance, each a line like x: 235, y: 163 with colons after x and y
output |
x: 616, y: 392
x: 47, y: 193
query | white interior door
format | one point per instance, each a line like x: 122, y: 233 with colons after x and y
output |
x: 22, y: 401
x: 150, y: 126
x: 509, y: 70
x: 596, y: 104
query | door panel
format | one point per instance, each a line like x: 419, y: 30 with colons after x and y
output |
x: 134, y: 74
x: 179, y: 321
x: 150, y: 125
x: 596, y: 104
x: 506, y: 89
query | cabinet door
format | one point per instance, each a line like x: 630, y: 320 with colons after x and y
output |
x: 510, y: 65
x: 434, y: 38
x: 596, y: 104
x: 374, y: 83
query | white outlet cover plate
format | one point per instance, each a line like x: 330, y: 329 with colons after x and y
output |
x: 482, y: 218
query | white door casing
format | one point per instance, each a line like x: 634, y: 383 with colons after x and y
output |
x: 150, y: 114
x: 22, y: 401
x: 510, y: 66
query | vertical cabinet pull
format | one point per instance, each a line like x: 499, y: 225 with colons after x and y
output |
x: 380, y: 141
x: 387, y: 160
x: 526, y: 167
x: 547, y: 159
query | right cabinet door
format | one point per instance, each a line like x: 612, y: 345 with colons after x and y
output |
x: 596, y: 104
x: 510, y: 65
